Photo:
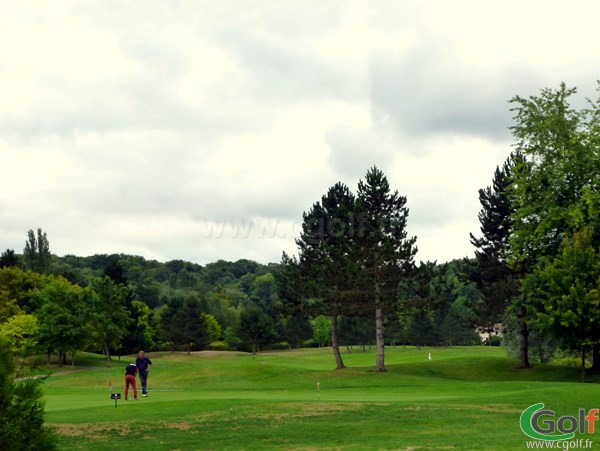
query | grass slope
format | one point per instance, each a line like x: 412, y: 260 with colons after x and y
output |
x: 464, y: 398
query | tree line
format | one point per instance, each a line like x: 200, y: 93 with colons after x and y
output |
x: 537, y: 265
x: 117, y: 304
x: 354, y: 281
x: 538, y: 261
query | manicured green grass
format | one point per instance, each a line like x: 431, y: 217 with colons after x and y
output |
x: 464, y: 398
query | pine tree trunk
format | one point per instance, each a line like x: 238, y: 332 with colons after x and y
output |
x: 380, y: 344
x: 334, y: 344
x: 524, y: 332
x: 582, y: 363
x: 379, y: 338
x: 596, y: 357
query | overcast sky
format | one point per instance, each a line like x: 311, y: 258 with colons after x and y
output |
x: 202, y: 130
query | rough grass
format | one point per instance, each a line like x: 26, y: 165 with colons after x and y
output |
x: 464, y: 398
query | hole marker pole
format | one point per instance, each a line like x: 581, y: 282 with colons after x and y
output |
x: 318, y: 390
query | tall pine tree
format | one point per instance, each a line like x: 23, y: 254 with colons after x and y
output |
x: 386, y: 252
x: 495, y: 279
x: 321, y: 281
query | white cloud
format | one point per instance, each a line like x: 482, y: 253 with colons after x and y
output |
x: 129, y: 128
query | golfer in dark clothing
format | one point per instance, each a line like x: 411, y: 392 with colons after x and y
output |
x: 143, y: 364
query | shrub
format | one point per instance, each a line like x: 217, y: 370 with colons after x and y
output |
x: 219, y: 346
x: 495, y: 340
x: 21, y: 409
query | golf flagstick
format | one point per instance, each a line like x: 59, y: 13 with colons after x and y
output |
x: 318, y: 390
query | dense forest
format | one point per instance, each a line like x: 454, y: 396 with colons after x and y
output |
x: 122, y: 303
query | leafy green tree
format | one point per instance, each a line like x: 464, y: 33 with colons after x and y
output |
x: 213, y: 328
x: 296, y: 329
x: 549, y: 193
x: 36, y: 254
x: 138, y: 336
x: 185, y: 274
x: 183, y: 323
x: 143, y: 332
x: 115, y: 271
x: 321, y: 326
x: 105, y: 314
x: 438, y: 304
x: 225, y: 304
x: 21, y: 333
x: 220, y: 272
x: 557, y: 189
x: 230, y: 337
x: 256, y: 329
x: 570, y: 287
x: 8, y: 307
x: 19, y: 286
x: 21, y: 409
x: 264, y: 291
x: 61, y: 318
x: 454, y: 302
x: 386, y: 251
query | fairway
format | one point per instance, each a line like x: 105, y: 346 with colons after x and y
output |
x: 464, y: 398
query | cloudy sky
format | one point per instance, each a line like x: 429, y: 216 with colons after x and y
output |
x: 201, y: 130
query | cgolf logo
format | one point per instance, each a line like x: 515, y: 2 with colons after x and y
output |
x: 542, y: 424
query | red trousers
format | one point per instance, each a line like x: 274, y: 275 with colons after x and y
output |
x: 130, y: 380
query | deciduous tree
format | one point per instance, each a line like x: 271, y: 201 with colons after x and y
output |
x: 183, y: 323
x: 36, y: 254
x: 21, y: 332
x: 321, y: 326
x: 570, y: 288
x: 556, y: 192
x: 256, y: 329
x: 105, y: 314
x: 62, y: 318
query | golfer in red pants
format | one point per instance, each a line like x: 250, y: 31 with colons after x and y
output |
x: 130, y: 372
